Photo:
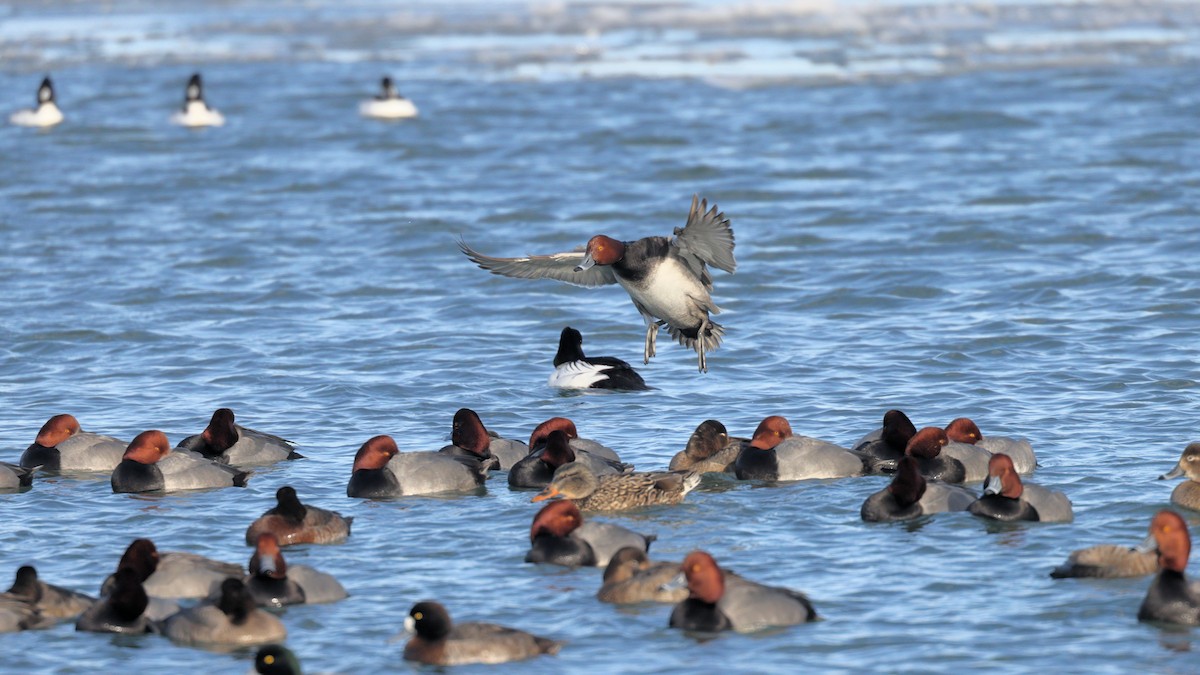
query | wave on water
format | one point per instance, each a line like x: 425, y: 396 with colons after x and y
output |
x: 737, y: 43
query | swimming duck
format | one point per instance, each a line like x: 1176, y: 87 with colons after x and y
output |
x: 13, y: 477
x: 630, y: 578
x: 884, y: 446
x: 541, y: 433
x: 268, y: 580
x: 46, y: 114
x: 53, y: 602
x: 1187, y: 494
x: 1107, y: 561
x: 559, y: 536
x: 926, y: 448
x: 121, y: 610
x: 173, y: 574
x: 775, y: 454
x: 665, y: 277
x: 618, y: 492
x: 294, y: 523
x: 573, y: 370
x: 230, y: 621
x: 276, y: 660
x: 470, y: 439
x: 229, y: 443
x: 718, y: 602
x: 538, y: 467
x: 1171, y: 599
x: 382, y: 471
x: 438, y: 642
x: 389, y: 104
x: 62, y: 446
x: 709, y: 450
x: 1005, y: 497
x: 964, y: 430
x: 195, y: 112
x: 910, y: 496
x: 150, y: 465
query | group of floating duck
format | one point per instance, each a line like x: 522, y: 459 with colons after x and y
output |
x: 575, y: 475
x: 388, y: 104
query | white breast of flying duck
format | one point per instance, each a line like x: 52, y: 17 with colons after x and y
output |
x: 670, y: 291
x: 578, y: 375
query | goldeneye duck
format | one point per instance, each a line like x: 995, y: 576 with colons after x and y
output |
x: 666, y: 277
x: 46, y: 114
x: 389, y: 104
x: 195, y: 112
x: 574, y: 370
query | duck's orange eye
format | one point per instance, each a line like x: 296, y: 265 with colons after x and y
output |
x: 418, y: 616
x: 269, y: 660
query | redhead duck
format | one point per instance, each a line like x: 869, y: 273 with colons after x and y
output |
x: 709, y: 450
x: 537, y: 469
x: 573, y: 370
x: 276, y: 660
x: 62, y: 446
x: 718, y: 601
x: 230, y: 443
x: 195, y: 112
x: 382, y: 471
x: 926, y: 448
x: 388, y: 104
x: 52, y: 601
x: 775, y: 454
x: 541, y: 434
x: 666, y: 277
x: 438, y: 642
x: 1187, y: 494
x: 470, y: 439
x: 274, y: 583
x: 294, y: 523
x: 1107, y: 561
x: 46, y: 114
x: 13, y: 477
x: 910, y: 496
x: 618, y: 492
x: 886, y: 444
x: 1005, y: 497
x: 121, y: 610
x: 173, y: 574
x: 268, y: 580
x: 231, y: 621
x: 150, y: 465
x: 558, y: 536
x: 630, y: 578
x: 964, y: 430
x: 1171, y: 599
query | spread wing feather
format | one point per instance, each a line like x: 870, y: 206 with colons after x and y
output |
x: 707, y: 236
x: 557, y: 266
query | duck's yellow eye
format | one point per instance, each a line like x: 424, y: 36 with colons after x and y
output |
x: 269, y: 660
x: 418, y: 616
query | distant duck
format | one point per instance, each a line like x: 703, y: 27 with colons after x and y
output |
x: 631, y: 577
x: 195, y: 112
x: 1107, y: 561
x: 232, y: 620
x: 709, y: 450
x: 618, y: 492
x: 230, y: 443
x: 295, y: 523
x: 381, y: 471
x: 46, y: 114
x: 719, y: 601
x: 150, y: 465
x: 559, y: 536
x: 573, y: 370
x: 61, y: 445
x: 964, y: 431
x: 910, y: 496
x: 926, y: 448
x: 53, y: 602
x: 666, y: 277
x: 121, y: 610
x: 389, y: 104
x: 439, y: 642
x: 1006, y: 498
x: 1171, y: 598
x: 1187, y: 494
x: 274, y: 583
x: 171, y: 574
x: 881, y: 448
x: 776, y: 454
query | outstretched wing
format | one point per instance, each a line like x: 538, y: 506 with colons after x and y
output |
x: 558, y: 266
x: 707, y: 236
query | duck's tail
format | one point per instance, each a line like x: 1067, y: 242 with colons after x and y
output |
x: 693, y: 339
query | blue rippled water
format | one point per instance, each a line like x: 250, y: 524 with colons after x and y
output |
x: 954, y: 209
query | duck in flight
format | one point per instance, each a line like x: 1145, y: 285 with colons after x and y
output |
x: 666, y: 277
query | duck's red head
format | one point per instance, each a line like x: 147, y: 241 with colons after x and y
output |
x: 604, y: 250
x: 963, y: 430
x: 148, y: 447
x: 705, y: 580
x: 220, y: 434
x: 543, y: 430
x: 1006, y: 481
x: 557, y: 519
x: 771, y: 432
x: 469, y: 433
x: 1171, y: 536
x: 897, y: 429
x: 56, y: 430
x: 926, y: 443
x: 268, y: 559
x: 375, y: 453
